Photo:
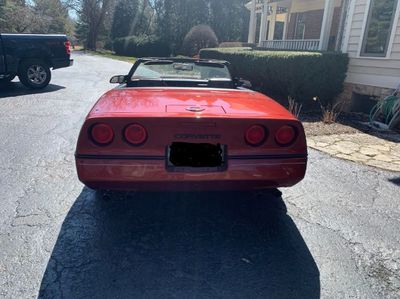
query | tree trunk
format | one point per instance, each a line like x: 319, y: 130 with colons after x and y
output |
x: 92, y: 38
x: 97, y: 21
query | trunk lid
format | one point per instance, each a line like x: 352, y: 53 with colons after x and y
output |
x: 187, y: 102
x: 207, y: 109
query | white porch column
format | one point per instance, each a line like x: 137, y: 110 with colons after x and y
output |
x: 253, y: 23
x: 287, y: 20
x: 286, y: 25
x: 326, y: 25
x: 271, y: 31
x: 263, y: 26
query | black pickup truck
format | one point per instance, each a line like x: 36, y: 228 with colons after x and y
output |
x: 31, y: 56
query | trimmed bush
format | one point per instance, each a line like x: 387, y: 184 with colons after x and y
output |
x: 233, y: 45
x: 300, y: 75
x: 199, y: 37
x: 141, y: 46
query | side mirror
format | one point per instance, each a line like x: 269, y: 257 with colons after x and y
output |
x: 245, y: 83
x: 239, y: 82
x: 118, y: 79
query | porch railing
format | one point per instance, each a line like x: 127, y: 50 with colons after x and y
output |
x: 292, y: 44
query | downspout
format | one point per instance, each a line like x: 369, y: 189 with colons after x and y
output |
x: 342, y: 24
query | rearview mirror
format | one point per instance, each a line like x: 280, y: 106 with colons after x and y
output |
x: 118, y: 79
x: 183, y: 67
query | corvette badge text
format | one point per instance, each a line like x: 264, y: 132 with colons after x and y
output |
x: 197, y: 136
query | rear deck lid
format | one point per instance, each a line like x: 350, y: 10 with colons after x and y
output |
x: 208, y: 109
x: 187, y: 102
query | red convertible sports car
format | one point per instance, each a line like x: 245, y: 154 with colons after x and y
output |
x: 185, y: 124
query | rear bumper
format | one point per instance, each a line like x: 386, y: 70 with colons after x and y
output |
x: 60, y: 63
x: 151, y: 175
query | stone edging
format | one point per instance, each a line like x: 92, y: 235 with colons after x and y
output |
x: 361, y: 148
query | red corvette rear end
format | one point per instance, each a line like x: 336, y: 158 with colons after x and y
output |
x: 167, y: 138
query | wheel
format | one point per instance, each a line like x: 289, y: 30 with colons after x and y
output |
x: 34, y: 73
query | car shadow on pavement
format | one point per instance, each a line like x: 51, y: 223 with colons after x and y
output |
x: 395, y: 180
x: 180, y: 245
x: 14, y: 89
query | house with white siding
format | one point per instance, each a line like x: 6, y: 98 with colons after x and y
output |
x: 368, y: 30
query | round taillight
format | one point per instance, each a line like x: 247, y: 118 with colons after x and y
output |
x: 102, y: 134
x: 135, y: 134
x: 285, y: 135
x: 255, y: 135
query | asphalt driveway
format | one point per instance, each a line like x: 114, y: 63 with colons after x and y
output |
x: 335, y: 235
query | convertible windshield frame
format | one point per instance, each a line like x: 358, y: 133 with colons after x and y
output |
x: 178, y: 81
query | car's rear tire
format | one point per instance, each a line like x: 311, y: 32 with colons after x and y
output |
x: 34, y: 73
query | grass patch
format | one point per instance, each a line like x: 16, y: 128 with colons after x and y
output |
x: 112, y: 55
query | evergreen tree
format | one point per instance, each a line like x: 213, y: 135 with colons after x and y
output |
x: 178, y: 17
x: 124, y: 18
x: 170, y: 20
x: 229, y: 19
x: 131, y: 17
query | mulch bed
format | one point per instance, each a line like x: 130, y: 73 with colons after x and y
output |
x: 319, y: 129
x: 347, y: 123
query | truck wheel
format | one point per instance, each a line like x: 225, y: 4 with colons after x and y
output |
x: 34, y: 73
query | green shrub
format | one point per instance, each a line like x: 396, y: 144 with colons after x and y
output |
x: 300, y: 75
x: 233, y: 45
x: 108, y: 45
x: 199, y: 37
x: 141, y: 46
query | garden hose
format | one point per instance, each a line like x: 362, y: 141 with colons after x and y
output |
x: 386, y: 107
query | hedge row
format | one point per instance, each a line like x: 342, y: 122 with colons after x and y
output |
x: 234, y: 45
x: 301, y: 75
x: 141, y: 46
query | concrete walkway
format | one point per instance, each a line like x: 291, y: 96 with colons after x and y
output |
x: 361, y: 148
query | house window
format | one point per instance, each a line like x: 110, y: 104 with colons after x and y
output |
x: 379, y: 28
x: 278, y: 32
x: 300, y: 26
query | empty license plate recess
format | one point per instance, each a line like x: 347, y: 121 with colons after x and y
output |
x: 196, y: 157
